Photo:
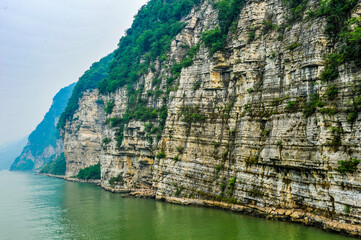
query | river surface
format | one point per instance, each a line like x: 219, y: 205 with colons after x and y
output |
x: 39, y: 207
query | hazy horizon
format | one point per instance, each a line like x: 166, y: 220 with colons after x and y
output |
x: 45, y: 46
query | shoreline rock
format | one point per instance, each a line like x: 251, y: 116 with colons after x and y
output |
x: 270, y: 213
x: 70, y: 179
x: 237, y: 125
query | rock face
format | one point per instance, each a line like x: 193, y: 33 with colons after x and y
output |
x: 236, y: 129
x: 44, y: 143
x: 83, y: 135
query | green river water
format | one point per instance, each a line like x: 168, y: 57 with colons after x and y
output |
x: 39, y: 207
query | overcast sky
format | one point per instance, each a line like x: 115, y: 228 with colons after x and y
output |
x: 48, y: 44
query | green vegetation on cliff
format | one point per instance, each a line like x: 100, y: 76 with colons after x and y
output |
x: 149, y: 38
x: 56, y: 167
x: 348, y: 166
x: 97, y: 72
x: 45, y: 135
x: 21, y: 164
x: 343, y: 30
x: 154, y: 28
x: 344, y: 33
x: 340, y: 28
x: 109, y: 107
x: 92, y: 172
x: 228, y: 12
x: 336, y: 13
x: 116, y: 180
x: 137, y: 110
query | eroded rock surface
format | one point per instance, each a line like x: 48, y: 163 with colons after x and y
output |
x: 250, y: 141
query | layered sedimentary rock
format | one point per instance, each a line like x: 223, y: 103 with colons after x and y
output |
x: 237, y: 129
x: 83, y: 135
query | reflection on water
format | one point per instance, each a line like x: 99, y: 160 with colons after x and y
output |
x: 38, y: 207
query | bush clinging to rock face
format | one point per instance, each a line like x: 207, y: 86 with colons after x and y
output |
x: 92, y: 172
x: 348, y: 166
x: 56, y: 166
x: 116, y: 180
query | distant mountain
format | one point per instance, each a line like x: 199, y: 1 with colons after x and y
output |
x: 10, y: 151
x: 44, y: 144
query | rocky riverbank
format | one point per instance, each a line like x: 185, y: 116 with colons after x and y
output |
x: 254, y: 123
x: 287, y: 215
x: 72, y: 179
x: 271, y: 213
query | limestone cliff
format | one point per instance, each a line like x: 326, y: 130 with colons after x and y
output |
x: 44, y: 143
x: 83, y: 135
x: 252, y: 124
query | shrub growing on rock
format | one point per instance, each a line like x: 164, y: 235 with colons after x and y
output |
x: 348, y: 166
x: 92, y: 172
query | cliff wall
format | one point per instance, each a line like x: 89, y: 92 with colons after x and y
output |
x: 245, y: 125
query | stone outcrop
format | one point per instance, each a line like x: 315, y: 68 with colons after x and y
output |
x: 34, y: 161
x: 236, y: 129
x: 83, y: 136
